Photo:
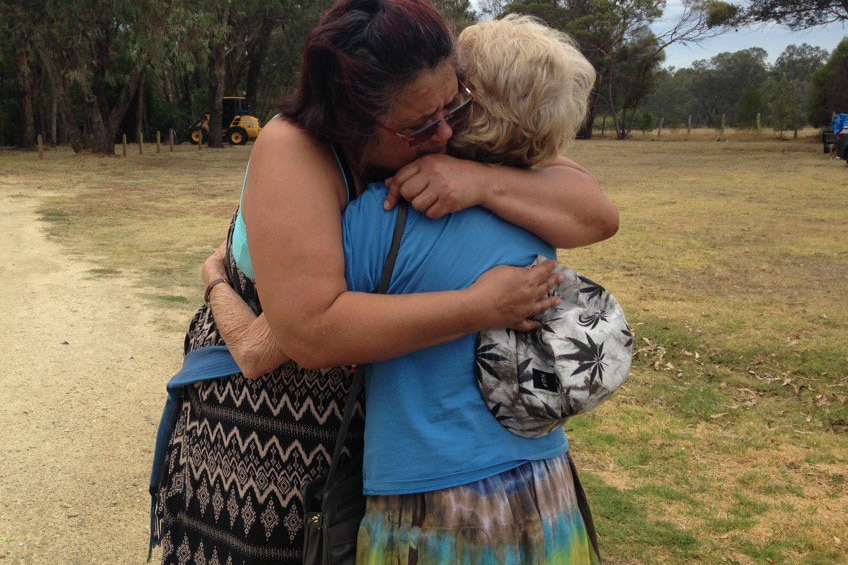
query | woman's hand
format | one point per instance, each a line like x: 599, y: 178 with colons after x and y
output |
x: 247, y: 336
x: 215, y: 265
x: 561, y: 202
x: 437, y: 185
x: 513, y: 295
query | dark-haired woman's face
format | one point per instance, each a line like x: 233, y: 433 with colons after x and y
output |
x: 422, y: 102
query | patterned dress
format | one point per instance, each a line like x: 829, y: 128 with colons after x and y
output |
x: 241, y: 453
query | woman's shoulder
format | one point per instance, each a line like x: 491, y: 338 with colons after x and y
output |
x: 284, y: 144
x: 280, y: 131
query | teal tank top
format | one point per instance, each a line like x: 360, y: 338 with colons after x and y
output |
x: 241, y: 252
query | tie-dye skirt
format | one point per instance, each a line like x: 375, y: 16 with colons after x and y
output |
x: 533, y: 514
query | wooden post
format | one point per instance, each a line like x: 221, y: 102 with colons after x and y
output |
x: 40, y: 143
x: 758, y: 124
x: 659, y: 129
x: 158, y: 142
x: 689, y: 127
x: 124, y: 144
x: 140, y: 143
x: 171, y: 139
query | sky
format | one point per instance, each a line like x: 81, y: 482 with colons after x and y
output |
x: 772, y: 38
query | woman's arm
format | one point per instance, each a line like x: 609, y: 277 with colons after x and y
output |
x: 247, y: 335
x: 561, y: 203
x: 294, y: 229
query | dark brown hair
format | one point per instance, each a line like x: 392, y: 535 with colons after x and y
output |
x: 361, y: 54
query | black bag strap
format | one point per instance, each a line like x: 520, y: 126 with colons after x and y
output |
x: 358, y: 375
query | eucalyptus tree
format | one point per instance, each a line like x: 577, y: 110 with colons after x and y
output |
x: 18, y: 78
x: 829, y: 92
x: 795, y: 14
x: 782, y: 109
x: 611, y: 32
x: 792, y: 80
x: 719, y: 83
x: 94, y: 54
x: 459, y: 13
x: 671, y: 98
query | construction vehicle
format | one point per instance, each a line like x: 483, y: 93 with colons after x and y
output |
x: 237, y: 125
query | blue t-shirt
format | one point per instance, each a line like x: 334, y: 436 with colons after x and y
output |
x: 426, y: 425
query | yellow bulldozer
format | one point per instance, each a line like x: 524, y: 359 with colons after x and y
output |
x: 237, y: 124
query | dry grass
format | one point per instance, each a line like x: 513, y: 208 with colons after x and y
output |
x: 728, y: 444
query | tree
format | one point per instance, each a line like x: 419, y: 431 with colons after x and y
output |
x: 750, y: 107
x: 718, y: 84
x: 796, y: 65
x: 781, y: 103
x: 458, y: 12
x: 611, y: 32
x: 795, y: 14
x: 829, y: 92
x: 672, y: 97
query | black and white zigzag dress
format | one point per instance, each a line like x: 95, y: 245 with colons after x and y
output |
x: 241, y: 453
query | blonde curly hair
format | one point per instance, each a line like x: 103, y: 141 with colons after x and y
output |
x: 532, y: 87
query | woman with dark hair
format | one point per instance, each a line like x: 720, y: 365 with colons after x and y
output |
x: 379, y: 96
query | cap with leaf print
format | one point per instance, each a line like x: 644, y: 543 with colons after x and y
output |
x: 533, y: 381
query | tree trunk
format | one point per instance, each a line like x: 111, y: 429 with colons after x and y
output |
x: 61, y: 99
x: 112, y: 124
x: 587, y: 128
x: 256, y: 55
x: 216, y: 94
x: 103, y: 131
x: 25, y: 85
x: 140, y: 111
x: 216, y: 86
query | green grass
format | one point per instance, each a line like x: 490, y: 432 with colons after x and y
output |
x: 728, y: 443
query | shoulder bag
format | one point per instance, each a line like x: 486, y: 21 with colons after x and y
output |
x: 334, y: 504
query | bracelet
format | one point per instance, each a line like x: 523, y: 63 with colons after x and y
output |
x: 209, y: 288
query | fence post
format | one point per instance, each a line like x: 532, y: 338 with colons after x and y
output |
x: 758, y: 124
x: 124, y: 144
x: 171, y: 139
x: 721, y: 130
x: 158, y: 141
x: 40, y: 144
x: 689, y: 126
x: 140, y: 143
x: 659, y: 129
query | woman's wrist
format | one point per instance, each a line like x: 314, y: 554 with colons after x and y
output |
x: 207, y: 296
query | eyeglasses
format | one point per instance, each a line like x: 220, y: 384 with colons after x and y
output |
x: 453, y: 117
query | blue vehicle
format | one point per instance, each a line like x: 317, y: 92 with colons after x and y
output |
x: 840, y: 136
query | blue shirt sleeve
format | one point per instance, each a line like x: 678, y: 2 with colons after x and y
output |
x: 367, y: 231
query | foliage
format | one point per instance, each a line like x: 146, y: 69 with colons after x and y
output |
x: 829, y: 91
x: 645, y: 121
x: 795, y: 66
x: 750, y: 108
x: 99, y: 68
x: 795, y: 14
x: 781, y: 104
x: 86, y: 72
x: 458, y: 12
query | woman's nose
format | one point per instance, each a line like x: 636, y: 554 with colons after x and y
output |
x: 443, y: 133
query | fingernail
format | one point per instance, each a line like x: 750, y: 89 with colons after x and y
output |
x: 386, y: 205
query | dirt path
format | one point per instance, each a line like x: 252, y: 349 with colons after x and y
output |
x: 82, y: 377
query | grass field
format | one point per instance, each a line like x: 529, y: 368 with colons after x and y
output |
x: 728, y: 444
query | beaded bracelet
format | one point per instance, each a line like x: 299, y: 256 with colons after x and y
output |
x: 209, y: 288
